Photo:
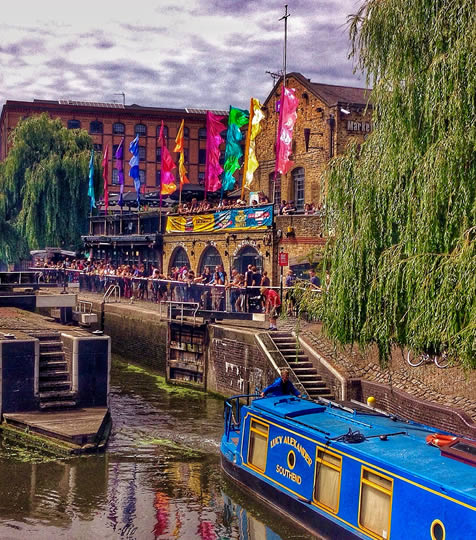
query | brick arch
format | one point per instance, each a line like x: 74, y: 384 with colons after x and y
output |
x: 207, y: 252
x: 174, y: 261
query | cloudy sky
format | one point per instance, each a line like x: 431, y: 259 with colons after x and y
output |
x: 192, y: 53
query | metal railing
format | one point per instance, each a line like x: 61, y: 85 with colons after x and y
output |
x: 181, y: 310
x: 113, y: 291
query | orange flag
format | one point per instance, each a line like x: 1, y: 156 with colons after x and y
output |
x: 179, y: 148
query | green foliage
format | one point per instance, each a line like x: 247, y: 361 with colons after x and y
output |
x: 402, y: 209
x: 44, y: 181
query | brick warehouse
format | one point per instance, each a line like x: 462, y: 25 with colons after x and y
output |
x: 329, y: 118
x: 108, y: 123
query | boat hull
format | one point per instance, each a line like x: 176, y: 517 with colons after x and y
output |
x: 300, y: 512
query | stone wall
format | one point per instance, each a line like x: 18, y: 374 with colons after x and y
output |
x: 236, y: 363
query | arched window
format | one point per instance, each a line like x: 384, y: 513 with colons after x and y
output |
x: 118, y: 128
x: 141, y: 130
x: 95, y: 127
x: 298, y: 184
x: 166, y: 132
x: 247, y: 255
x: 202, y: 133
x: 179, y: 258
x: 211, y: 258
x: 275, y: 188
x: 74, y: 124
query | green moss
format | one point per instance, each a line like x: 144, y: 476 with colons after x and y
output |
x: 173, y: 448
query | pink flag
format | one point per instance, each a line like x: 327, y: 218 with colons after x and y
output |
x: 167, y: 178
x: 213, y: 169
x: 105, y: 167
x: 287, y: 119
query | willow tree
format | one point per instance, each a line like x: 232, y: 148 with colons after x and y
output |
x: 402, y: 208
x: 44, y: 181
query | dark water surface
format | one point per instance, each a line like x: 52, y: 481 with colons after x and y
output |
x: 160, y: 477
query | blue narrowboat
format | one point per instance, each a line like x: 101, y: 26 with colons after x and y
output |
x: 343, y: 472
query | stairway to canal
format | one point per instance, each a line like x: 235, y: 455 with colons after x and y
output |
x: 54, y: 375
x: 302, y: 367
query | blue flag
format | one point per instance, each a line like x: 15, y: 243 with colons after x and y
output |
x: 91, y: 181
x: 134, y: 164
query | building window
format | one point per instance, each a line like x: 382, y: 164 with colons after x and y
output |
x: 166, y: 132
x: 327, y: 482
x: 157, y: 178
x: 210, y: 258
x: 158, y: 153
x: 142, y: 177
x: 186, y: 132
x: 202, y: 156
x: 298, y: 183
x: 179, y: 258
x: 275, y: 188
x: 141, y: 153
x: 115, y: 177
x: 185, y: 155
x: 202, y: 133
x: 141, y: 130
x: 258, y: 445
x: 95, y: 127
x: 201, y: 178
x: 114, y: 150
x: 74, y: 124
x: 118, y: 128
x: 375, y: 503
x: 97, y: 147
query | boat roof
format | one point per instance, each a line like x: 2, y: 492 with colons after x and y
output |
x: 407, y: 452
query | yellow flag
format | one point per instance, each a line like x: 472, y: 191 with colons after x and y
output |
x: 182, y: 171
x: 179, y: 139
x: 256, y: 117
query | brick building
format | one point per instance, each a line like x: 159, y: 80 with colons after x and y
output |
x: 108, y: 123
x: 328, y: 119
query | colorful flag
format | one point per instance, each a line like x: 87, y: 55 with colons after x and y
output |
x: 233, y: 152
x: 134, y: 164
x: 167, y: 179
x: 179, y: 148
x: 287, y: 119
x: 120, y: 170
x: 251, y: 161
x: 213, y: 169
x: 105, y: 167
x: 91, y: 181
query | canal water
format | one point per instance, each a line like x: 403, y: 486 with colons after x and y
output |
x: 160, y: 477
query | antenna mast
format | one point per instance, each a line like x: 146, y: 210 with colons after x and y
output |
x: 123, y: 97
x: 285, y: 17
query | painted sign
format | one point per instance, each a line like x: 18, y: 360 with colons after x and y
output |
x: 283, y: 259
x: 251, y: 218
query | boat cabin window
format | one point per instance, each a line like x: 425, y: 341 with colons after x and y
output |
x: 258, y: 445
x: 327, y: 480
x: 375, y: 503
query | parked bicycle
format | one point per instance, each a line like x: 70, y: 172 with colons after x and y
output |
x: 440, y: 360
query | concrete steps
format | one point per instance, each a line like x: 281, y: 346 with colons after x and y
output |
x: 303, y: 369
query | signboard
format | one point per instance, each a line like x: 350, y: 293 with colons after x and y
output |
x: 250, y: 218
x: 283, y: 259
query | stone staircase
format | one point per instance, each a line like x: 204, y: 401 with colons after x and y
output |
x: 55, y: 379
x: 303, y: 368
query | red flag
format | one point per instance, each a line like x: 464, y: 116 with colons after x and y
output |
x: 105, y: 167
x: 167, y: 179
x: 287, y: 119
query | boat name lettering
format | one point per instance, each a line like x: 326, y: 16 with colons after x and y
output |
x: 280, y: 439
x: 288, y: 474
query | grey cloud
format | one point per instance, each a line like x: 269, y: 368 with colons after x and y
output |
x: 23, y: 47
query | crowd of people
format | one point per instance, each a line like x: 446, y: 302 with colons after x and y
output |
x: 310, y: 209
x: 212, y: 289
x: 197, y: 207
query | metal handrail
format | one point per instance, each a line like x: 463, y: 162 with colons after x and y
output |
x: 84, y: 306
x: 113, y: 289
x: 192, y: 307
x: 285, y: 364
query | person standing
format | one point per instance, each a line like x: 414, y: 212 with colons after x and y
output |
x: 272, y: 305
x: 282, y: 386
x: 314, y: 280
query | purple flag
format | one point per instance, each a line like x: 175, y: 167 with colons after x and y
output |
x: 119, y: 155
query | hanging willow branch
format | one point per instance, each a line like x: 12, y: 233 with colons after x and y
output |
x: 44, y: 180
x: 402, y: 210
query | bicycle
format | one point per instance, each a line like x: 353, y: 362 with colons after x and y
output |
x: 440, y: 360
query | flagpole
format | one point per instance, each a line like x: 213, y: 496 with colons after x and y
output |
x: 285, y: 17
x: 247, y: 149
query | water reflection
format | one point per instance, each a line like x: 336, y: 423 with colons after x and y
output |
x: 159, y: 479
